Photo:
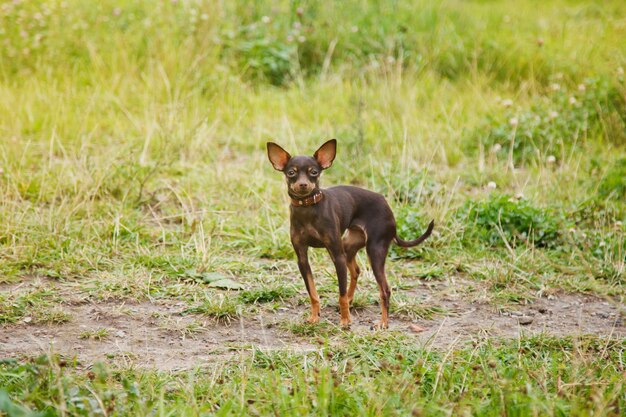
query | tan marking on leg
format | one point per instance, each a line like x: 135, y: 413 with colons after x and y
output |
x: 384, y: 320
x: 315, y: 301
x: 353, y: 240
x: 344, y: 310
x: 354, y: 276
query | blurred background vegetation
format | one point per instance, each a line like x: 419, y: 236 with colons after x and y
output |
x: 130, y: 130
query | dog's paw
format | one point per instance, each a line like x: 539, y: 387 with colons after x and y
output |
x: 379, y: 326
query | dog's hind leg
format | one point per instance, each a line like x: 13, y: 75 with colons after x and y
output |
x: 377, y: 253
x: 353, y: 241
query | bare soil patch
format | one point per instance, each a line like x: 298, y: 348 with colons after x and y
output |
x: 158, y: 334
x: 144, y: 334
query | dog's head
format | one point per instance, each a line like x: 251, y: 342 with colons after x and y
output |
x: 302, y: 172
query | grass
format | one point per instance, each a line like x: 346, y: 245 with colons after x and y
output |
x: 35, y: 306
x: 266, y: 295
x: 540, y: 375
x: 96, y: 334
x: 132, y: 169
x: 220, y: 307
x: 414, y: 309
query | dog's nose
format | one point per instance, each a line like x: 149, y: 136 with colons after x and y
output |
x: 302, y: 185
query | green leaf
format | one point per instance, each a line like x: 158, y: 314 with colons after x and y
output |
x: 227, y: 284
x: 14, y: 410
x: 208, y: 277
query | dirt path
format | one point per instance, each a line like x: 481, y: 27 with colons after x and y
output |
x: 158, y: 335
x: 143, y: 334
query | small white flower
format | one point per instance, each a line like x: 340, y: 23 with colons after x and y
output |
x: 618, y: 224
x: 390, y: 59
x: 289, y: 38
x: 354, y: 29
x: 519, y: 196
x: 497, y: 147
x: 491, y: 185
x: 572, y: 230
x: 555, y: 87
x: 301, y: 39
x: 299, y: 11
x: 620, y: 71
x: 507, y: 102
x: 204, y: 16
x: 117, y: 11
x: 553, y: 114
x: 513, y: 121
x: 572, y: 100
x: 265, y: 19
x: 297, y: 25
x: 582, y: 87
x: 551, y: 159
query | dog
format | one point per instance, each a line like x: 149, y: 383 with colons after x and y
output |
x: 342, y: 219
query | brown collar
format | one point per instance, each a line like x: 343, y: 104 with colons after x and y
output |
x: 308, y: 201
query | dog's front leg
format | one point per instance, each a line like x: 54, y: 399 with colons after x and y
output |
x: 302, y: 252
x: 340, y: 260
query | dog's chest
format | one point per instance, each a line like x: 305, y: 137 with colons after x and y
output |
x: 309, y: 231
x: 308, y: 234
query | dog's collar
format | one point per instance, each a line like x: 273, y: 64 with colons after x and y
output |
x: 308, y: 201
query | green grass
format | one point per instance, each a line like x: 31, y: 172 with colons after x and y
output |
x: 368, y: 376
x: 266, y: 295
x: 220, y: 307
x: 37, y: 306
x: 414, y: 308
x: 133, y: 169
x: 96, y: 334
x: 318, y: 330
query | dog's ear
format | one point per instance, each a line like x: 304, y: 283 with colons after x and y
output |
x: 277, y: 155
x: 325, y: 155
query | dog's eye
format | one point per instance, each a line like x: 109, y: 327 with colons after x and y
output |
x: 314, y: 172
x: 291, y: 173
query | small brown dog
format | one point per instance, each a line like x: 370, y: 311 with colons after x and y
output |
x: 343, y: 220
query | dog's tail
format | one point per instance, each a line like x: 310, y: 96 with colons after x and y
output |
x: 411, y: 243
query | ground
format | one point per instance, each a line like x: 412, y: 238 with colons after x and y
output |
x: 162, y: 335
